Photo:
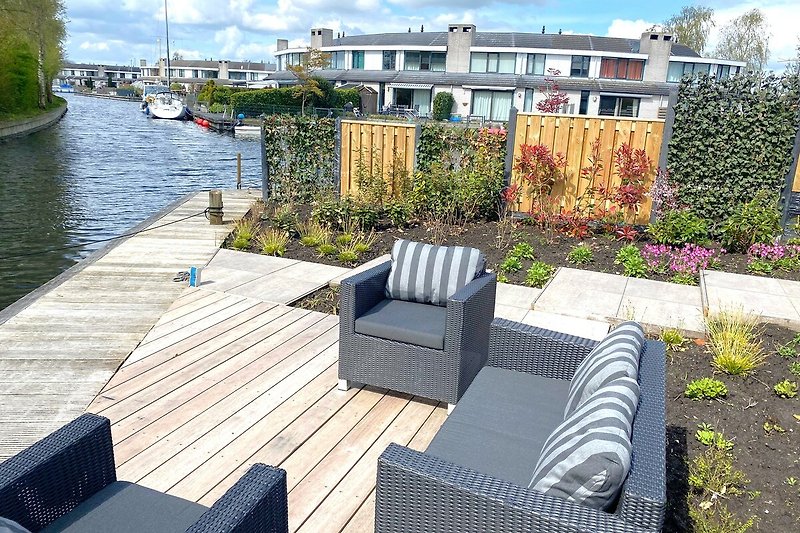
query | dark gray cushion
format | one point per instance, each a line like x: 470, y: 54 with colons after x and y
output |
x: 588, y: 456
x: 9, y: 526
x: 413, y: 323
x: 124, y: 507
x: 500, y: 424
x: 425, y: 273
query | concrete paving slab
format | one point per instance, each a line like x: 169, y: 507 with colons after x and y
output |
x: 261, y: 264
x: 596, y: 280
x: 741, y: 282
x: 277, y: 289
x: 581, y: 327
x: 770, y: 307
x: 664, y: 291
x: 217, y: 278
x: 335, y: 282
x: 582, y: 294
x: 315, y: 272
x: 516, y: 295
x: 510, y: 312
x: 791, y: 288
x: 655, y: 314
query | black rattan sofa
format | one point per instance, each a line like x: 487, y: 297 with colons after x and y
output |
x: 67, y: 482
x: 447, y: 487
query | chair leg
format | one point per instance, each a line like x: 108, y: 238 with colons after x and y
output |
x: 450, y: 407
x: 343, y: 385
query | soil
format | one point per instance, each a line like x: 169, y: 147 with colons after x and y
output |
x: 767, y: 460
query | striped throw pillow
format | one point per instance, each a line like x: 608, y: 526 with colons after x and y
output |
x: 615, y: 356
x: 588, y: 456
x: 425, y: 273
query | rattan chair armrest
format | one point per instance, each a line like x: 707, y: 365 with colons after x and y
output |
x: 361, y: 292
x: 254, y: 504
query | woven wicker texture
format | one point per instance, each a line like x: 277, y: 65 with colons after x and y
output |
x: 442, y: 375
x: 419, y: 493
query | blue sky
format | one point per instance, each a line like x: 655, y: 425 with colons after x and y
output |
x: 125, y: 31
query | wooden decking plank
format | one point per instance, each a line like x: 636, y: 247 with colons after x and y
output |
x: 136, y: 461
x: 185, y: 302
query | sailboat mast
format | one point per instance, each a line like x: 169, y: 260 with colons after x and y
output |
x: 166, y: 22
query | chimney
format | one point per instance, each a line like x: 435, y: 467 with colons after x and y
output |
x: 321, y: 37
x: 283, y: 44
x: 658, y: 47
x: 459, y: 42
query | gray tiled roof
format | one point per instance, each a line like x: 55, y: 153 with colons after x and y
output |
x: 510, y: 39
x: 493, y: 80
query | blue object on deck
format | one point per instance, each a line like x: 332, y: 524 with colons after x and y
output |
x: 455, y: 118
x: 240, y: 116
x: 194, y: 276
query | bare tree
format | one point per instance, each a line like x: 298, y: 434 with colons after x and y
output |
x: 746, y: 38
x: 691, y: 26
x: 793, y: 65
x: 311, y: 61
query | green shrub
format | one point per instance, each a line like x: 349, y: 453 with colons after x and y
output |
x: 786, y: 389
x: 733, y: 342
x: 312, y: 234
x: 794, y: 368
x: 705, y: 388
x: 285, y: 218
x: 216, y: 108
x: 398, y: 212
x: 510, y: 264
x: 327, y: 249
x: 757, y: 221
x: 273, y: 242
x: 678, y: 228
x: 522, y: 250
x: 580, y: 255
x: 538, y: 274
x: 707, y: 436
x: 673, y: 338
x: 714, y: 517
x: 443, y: 104
x: 713, y: 472
x: 630, y: 257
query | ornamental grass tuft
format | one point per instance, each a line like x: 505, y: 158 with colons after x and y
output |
x: 733, y: 342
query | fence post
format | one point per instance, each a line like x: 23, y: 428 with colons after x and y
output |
x: 669, y: 123
x: 337, y: 156
x: 264, y: 166
x: 512, y: 132
x: 787, y: 195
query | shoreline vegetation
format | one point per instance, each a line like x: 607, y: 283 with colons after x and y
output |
x: 55, y: 103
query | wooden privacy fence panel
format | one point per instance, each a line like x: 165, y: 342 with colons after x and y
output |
x: 369, y: 140
x: 573, y: 136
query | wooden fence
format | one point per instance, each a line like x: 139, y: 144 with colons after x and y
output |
x: 361, y: 142
x: 573, y: 136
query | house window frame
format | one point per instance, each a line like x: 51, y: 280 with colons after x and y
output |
x: 583, y: 69
x: 357, y: 58
x: 492, y: 62
x: 618, y: 106
x: 620, y: 72
x: 530, y: 67
x: 389, y: 60
x: 428, y: 60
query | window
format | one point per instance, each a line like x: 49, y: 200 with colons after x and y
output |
x: 580, y: 66
x: 726, y: 71
x: 417, y: 99
x: 527, y: 106
x: 237, y: 76
x: 254, y: 76
x: 337, y: 60
x: 181, y: 73
x: 434, y: 61
x: 621, y: 69
x: 493, y: 62
x: 678, y: 70
x: 535, y: 64
x: 619, y: 106
x: 134, y: 76
x: 492, y: 105
x: 389, y: 59
x: 358, y: 59
x: 584, y: 106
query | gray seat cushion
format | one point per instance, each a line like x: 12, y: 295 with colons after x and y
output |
x: 501, y: 423
x: 124, y: 507
x: 410, y: 322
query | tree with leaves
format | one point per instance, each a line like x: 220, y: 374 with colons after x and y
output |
x: 746, y: 38
x: 308, y: 85
x: 554, y: 100
x: 691, y: 26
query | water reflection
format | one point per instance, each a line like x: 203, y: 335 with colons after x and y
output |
x: 101, y: 170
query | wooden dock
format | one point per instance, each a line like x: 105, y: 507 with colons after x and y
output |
x: 59, y: 351
x: 223, y: 381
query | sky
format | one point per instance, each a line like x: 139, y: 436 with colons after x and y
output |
x: 124, y: 31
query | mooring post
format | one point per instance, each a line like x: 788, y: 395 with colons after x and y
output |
x: 215, y: 207
x: 239, y: 170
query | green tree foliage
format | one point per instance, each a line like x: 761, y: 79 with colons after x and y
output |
x: 443, y: 105
x: 270, y: 101
x: 691, y: 26
x: 307, y: 84
x: 746, y: 38
x: 731, y: 139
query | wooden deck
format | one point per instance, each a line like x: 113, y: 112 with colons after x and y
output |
x: 223, y: 381
x: 58, y: 352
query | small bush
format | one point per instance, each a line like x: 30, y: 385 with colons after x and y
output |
x: 794, y: 368
x: 364, y: 243
x: 786, y: 389
x: 733, y: 342
x: 327, y: 249
x: 580, y: 255
x: 216, y: 108
x: 522, y: 250
x: 538, y: 274
x: 713, y: 472
x: 509, y: 265
x: 312, y: 234
x: 630, y: 257
x: 678, y: 228
x: 285, y: 218
x: 398, y: 213
x: 443, y: 105
x: 674, y: 339
x: 243, y: 232
x: 757, y: 221
x: 714, y: 517
x: 706, y: 388
x: 273, y: 242
x: 348, y: 253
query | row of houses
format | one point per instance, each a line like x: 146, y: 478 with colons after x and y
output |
x: 487, y: 73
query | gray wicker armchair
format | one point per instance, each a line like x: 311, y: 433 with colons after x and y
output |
x: 67, y: 482
x: 419, y: 492
x: 439, y: 374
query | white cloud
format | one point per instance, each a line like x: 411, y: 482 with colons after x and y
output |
x: 629, y: 29
x: 94, y: 47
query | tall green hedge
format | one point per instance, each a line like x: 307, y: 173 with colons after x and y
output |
x: 300, y: 153
x: 18, y: 82
x: 732, y: 138
x: 255, y: 102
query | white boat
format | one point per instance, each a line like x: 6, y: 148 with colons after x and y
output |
x: 164, y: 104
x: 247, y: 132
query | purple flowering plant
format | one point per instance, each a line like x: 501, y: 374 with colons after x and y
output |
x: 684, y: 263
x: 764, y: 258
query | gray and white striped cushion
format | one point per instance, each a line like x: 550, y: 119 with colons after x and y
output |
x: 588, y: 456
x: 426, y: 273
x: 615, y: 356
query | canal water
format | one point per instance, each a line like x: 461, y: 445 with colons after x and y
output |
x: 101, y: 170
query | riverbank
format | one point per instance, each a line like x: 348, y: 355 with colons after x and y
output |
x: 25, y: 124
